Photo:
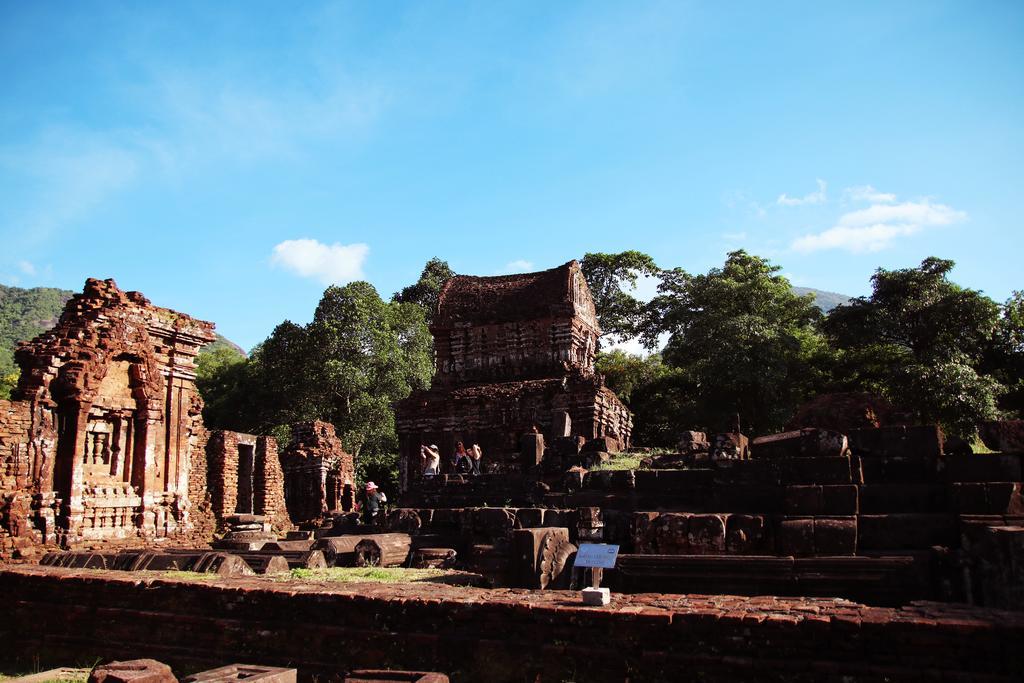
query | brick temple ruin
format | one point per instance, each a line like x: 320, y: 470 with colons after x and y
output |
x: 512, y: 352
x: 102, y: 441
x: 854, y: 546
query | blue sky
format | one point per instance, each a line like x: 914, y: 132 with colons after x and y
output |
x: 229, y: 159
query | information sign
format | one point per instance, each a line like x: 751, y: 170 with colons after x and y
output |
x: 596, y: 555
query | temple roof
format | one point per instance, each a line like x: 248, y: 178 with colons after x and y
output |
x: 560, y: 291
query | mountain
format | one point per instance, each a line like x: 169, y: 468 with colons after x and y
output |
x: 826, y: 301
x: 25, y: 313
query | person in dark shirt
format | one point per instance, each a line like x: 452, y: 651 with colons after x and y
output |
x: 373, y: 499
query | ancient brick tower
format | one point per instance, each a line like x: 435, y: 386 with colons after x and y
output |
x: 106, y: 439
x: 511, y: 352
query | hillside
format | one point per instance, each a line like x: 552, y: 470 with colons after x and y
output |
x: 24, y: 313
x: 826, y: 301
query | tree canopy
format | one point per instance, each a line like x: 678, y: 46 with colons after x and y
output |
x: 424, y: 292
x: 359, y: 355
x: 745, y: 342
x: 611, y: 278
x: 920, y: 339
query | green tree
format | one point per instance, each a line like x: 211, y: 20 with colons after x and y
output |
x: 425, y: 291
x: 348, y: 366
x: 611, y: 278
x: 1004, y: 360
x: 628, y: 373
x: 659, y: 396
x: 745, y: 343
x: 920, y: 339
x: 220, y: 378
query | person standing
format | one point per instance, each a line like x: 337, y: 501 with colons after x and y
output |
x: 431, y: 458
x: 373, y: 498
x: 461, y: 464
x: 476, y: 454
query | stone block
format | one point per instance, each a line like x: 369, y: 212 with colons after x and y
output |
x: 730, y: 446
x: 968, y: 498
x: 391, y: 676
x: 840, y: 499
x: 834, y: 499
x: 567, y: 447
x: 574, y: 479
x: 795, y: 537
x: 706, y: 535
x: 814, y: 470
x: 596, y: 597
x: 997, y: 567
x: 835, y: 536
x: 694, y: 442
x: 992, y: 498
x: 1005, y: 498
x: 906, y: 531
x: 814, y: 443
x: 669, y: 481
x: 802, y: 500
x: 133, y: 671
x: 246, y: 672
x: 527, y: 518
x: 923, y: 442
x: 604, y: 444
x: 747, y: 535
x: 740, y: 498
x: 561, y: 424
x: 879, y: 498
x: 493, y: 523
x: 984, y: 467
x: 556, y: 518
x: 433, y: 558
x: 541, y: 557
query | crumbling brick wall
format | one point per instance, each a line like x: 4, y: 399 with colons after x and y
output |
x: 27, y: 440
x: 260, y: 479
x: 319, y: 476
x: 499, y: 635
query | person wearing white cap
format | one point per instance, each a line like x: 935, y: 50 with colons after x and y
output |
x: 431, y: 457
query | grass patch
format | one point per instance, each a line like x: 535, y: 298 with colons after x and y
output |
x: 978, y: 446
x: 365, y: 575
x: 621, y: 461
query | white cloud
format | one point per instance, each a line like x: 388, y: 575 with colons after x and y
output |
x: 27, y: 267
x: 919, y: 213
x: 331, y: 264
x: 818, y: 197
x: 517, y: 266
x: 866, y: 193
x: 874, y: 228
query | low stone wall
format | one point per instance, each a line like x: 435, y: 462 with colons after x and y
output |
x: 500, y: 635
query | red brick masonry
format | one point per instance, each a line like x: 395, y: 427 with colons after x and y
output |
x: 499, y: 635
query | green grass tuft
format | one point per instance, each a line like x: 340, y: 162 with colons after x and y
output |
x: 620, y: 461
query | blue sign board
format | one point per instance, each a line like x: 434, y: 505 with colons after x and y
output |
x: 601, y: 555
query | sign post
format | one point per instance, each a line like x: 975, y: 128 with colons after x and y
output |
x: 596, y: 557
